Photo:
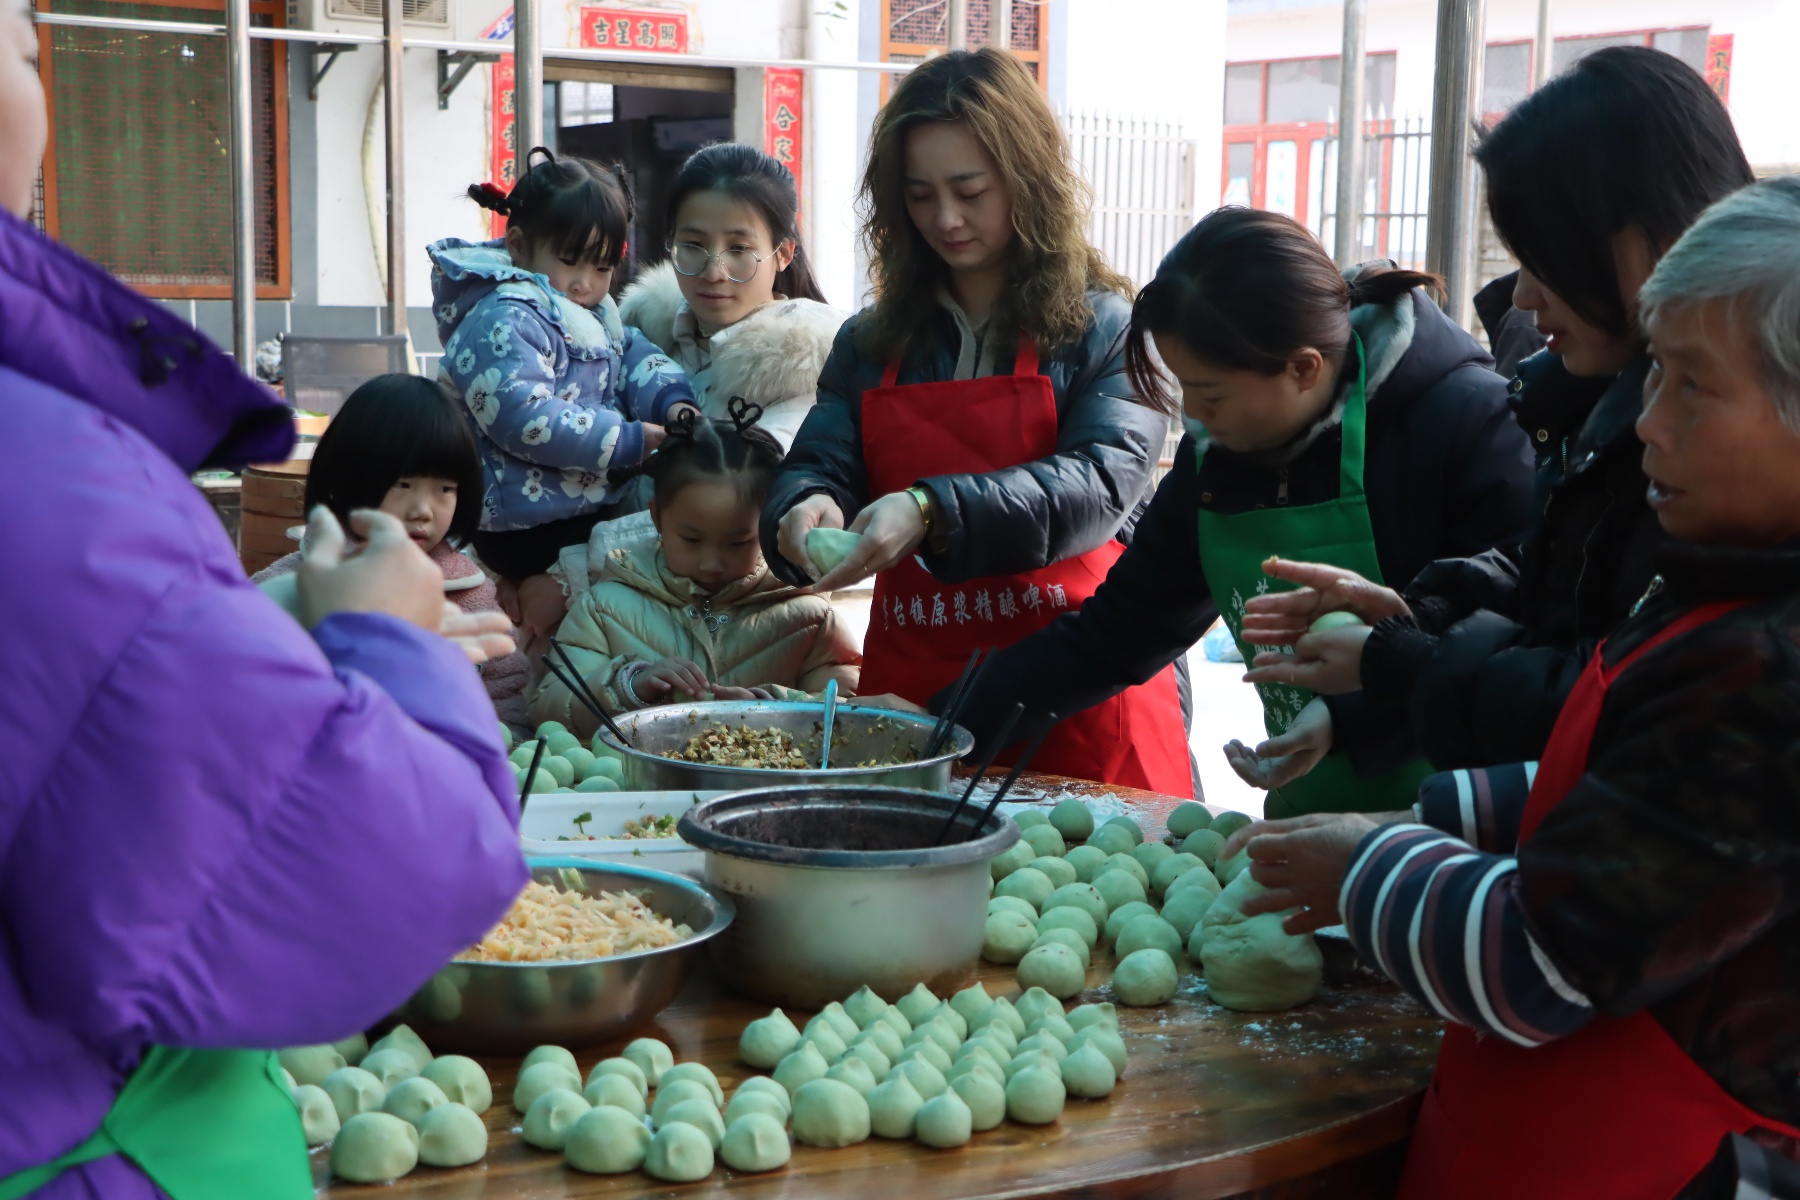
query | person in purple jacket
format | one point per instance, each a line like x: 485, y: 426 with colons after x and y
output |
x: 219, y: 830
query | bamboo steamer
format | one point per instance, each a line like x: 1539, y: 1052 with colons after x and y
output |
x: 273, y: 502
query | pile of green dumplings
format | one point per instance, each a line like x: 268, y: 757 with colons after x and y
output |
x: 567, y: 765
x: 386, y: 1108
x: 1066, y: 886
x: 938, y: 1070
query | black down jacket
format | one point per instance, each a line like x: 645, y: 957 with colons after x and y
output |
x: 1000, y: 522
x: 1500, y: 638
x: 1445, y: 466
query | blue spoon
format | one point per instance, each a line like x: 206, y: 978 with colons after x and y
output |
x: 830, y: 716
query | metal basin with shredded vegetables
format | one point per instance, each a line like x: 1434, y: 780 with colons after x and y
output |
x: 549, y: 925
x: 767, y: 749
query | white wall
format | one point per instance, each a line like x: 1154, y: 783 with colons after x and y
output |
x: 833, y: 164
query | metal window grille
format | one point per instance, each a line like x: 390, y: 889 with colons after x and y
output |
x: 1396, y: 202
x: 913, y: 29
x: 1142, y: 174
x: 414, y: 12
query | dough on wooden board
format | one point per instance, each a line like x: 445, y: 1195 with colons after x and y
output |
x: 1252, y: 964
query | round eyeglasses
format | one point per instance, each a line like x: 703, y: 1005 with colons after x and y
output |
x: 691, y: 258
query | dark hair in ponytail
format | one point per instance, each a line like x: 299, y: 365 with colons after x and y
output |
x: 579, y: 209
x: 751, y: 177
x: 698, y: 449
x: 1246, y: 290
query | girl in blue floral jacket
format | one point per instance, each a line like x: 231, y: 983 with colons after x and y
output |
x: 559, y: 390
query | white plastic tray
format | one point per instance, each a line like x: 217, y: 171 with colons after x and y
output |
x: 549, y: 819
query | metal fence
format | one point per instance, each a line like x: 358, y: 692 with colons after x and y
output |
x: 1142, y: 173
x: 1397, y: 196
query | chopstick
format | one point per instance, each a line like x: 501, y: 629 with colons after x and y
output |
x: 1012, y: 776
x: 578, y: 687
x: 962, y: 682
x: 831, y: 699
x: 537, y: 756
x: 1006, y: 728
x: 965, y: 692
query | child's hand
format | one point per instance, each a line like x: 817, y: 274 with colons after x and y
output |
x: 811, y: 513
x: 737, y: 693
x: 542, y: 605
x: 654, y: 437
x: 659, y: 682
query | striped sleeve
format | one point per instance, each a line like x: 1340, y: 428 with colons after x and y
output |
x: 1442, y: 919
x: 1483, y: 806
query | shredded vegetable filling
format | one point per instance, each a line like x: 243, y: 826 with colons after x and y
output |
x: 548, y: 925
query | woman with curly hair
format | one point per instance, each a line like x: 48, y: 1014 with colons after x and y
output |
x: 975, y: 424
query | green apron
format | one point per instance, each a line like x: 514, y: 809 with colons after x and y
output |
x: 203, y: 1125
x: 1233, y: 548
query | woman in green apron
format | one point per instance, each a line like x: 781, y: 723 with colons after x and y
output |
x: 1346, y: 420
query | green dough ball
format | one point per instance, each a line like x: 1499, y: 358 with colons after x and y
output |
x: 1145, y: 933
x: 522, y: 754
x: 1076, y: 919
x: 1335, y: 620
x: 863, y: 1007
x: 940, y: 1032
x: 1056, y: 870
x: 451, y: 1135
x: 543, y: 781
x: 551, y: 1116
x: 945, y: 1121
x: 1088, y: 1074
x: 985, y: 1096
x: 1187, y: 817
x: 1171, y: 869
x: 1150, y: 855
x: 389, y: 1066
x: 1252, y: 964
x: 542, y: 1077
x: 1183, y: 909
x: 931, y: 1052
x: 878, y: 1060
x: 826, y: 1039
x: 555, y: 1054
x: 353, y: 1047
x: 609, y: 1141
x: 1195, y: 879
x: 1229, y: 822
x: 653, y: 1057
x: 989, y: 881
x: 801, y: 1067
x: 506, y: 735
x: 561, y: 769
x: 1118, y: 887
x: 1035, y: 1096
x: 1045, y: 840
x: 1105, y: 1038
x: 1111, y: 839
x: 926, y: 1079
x: 546, y: 727
x: 1063, y: 937
x: 768, y: 1087
x: 558, y: 740
x: 1002, y: 1012
x: 1033, y: 1058
x: 318, y: 1117
x: 1006, y: 937
x: 1053, y: 1024
x: 971, y: 1001
x: 755, y: 1142
x: 1145, y: 978
x: 882, y: 1036
x: 831, y: 1114
x: 1043, y: 1043
x: 1033, y: 887
x: 353, y: 1090
x: 1087, y: 861
x: 311, y: 1064
x: 1129, y: 865
x: 603, y: 748
x: 1054, y: 967
x: 916, y: 1003
x: 1011, y: 859
x: 1079, y: 895
x: 1029, y: 817
x: 680, y: 1154
x: 855, y: 1072
x: 605, y: 767
x: 701, y: 1074
x: 1232, y: 867
x: 622, y: 1067
x: 1203, y: 844
x: 374, y: 1148
x: 615, y: 1090
x: 768, y: 1040
x: 411, y: 1099
x: 829, y: 547
x: 757, y: 1102
x: 893, y: 1106
x: 1013, y: 904
x: 1131, y: 827
x: 1089, y: 1015
x: 702, y: 1115
x: 1072, y: 819
x: 672, y: 1093
x: 841, y: 1022
x: 462, y: 1081
x: 598, y: 783
x: 1120, y: 916
x: 580, y: 758
x: 946, y: 1013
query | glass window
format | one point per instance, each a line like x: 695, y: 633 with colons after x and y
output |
x: 1240, y: 165
x: 1307, y: 89
x: 1689, y: 45
x: 1570, y: 51
x: 1243, y: 94
x: 1506, y: 78
x: 1283, y: 183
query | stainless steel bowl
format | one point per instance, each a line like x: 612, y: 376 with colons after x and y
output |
x: 837, y: 887
x: 862, y: 735
x: 502, y: 1008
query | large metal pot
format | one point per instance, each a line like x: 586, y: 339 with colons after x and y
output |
x: 837, y: 887
x: 859, y: 735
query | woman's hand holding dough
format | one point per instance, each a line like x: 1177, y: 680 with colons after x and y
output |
x: 892, y: 528
x: 1285, y: 758
x: 1283, y: 618
x: 1301, y: 861
x: 814, y: 512
x: 1328, y: 662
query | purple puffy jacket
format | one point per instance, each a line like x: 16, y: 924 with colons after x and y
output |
x: 216, y: 830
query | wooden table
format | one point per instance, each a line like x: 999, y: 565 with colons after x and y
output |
x: 1280, y: 1106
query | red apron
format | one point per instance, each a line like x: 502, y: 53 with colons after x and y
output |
x: 921, y: 631
x: 1615, y: 1110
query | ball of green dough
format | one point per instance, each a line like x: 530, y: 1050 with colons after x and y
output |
x: 971, y: 1001
x: 1045, y: 1044
x: 830, y: 1045
x: 755, y: 1142
x: 1087, y: 1015
x: 830, y: 1114
x: 1035, y: 1096
x: 311, y: 1064
x: 997, y: 1040
x: 1121, y: 916
x: 680, y: 1154
x: 1032, y: 886
x: 543, y: 781
x: 1111, y: 839
x: 610, y: 1141
x: 755, y: 1102
x: 882, y: 1036
x: 1118, y: 887
x: 1172, y: 868
x: 1129, y: 865
x: 1034, y: 1002
x: 1230, y: 868
x: 389, y: 1066
x: 985, y: 1096
x: 945, y: 1121
x: 623, y: 1067
x: 1088, y: 862
x: 1026, y: 818
x: 452, y: 1135
x: 1013, y: 904
x: 354, y: 1090
x: 580, y: 758
x: 946, y: 1013
x: 677, y: 1091
x: 560, y: 768
x: 926, y: 1079
x: 522, y: 753
x: 604, y: 767
x: 545, y: 727
x: 1087, y: 1073
x: 1073, y: 819
x: 1148, y: 933
x: 411, y: 1099
x: 1150, y: 855
x: 653, y: 1057
x: 1183, y: 909
x: 558, y: 740
x: 931, y: 1052
x: 353, y: 1047
x: 1010, y: 859
x: 551, y: 1116
x: 1077, y: 920
x: 863, y: 1007
x: 1145, y: 978
x: 1032, y: 1058
x: 615, y: 1090
x: 841, y: 1022
x: 1203, y: 844
x: 855, y: 1072
x: 1053, y: 967
x: 829, y: 547
x: 1229, y: 822
x: 916, y: 1003
x: 1006, y: 937
x: 801, y: 1067
x: 506, y: 735
x: 1052, y: 1025
x: 1335, y: 620
x: 701, y: 1114
x: 1252, y: 964
x: 374, y: 1148
x: 539, y: 1078
x: 701, y: 1074
x: 893, y: 1106
x: 768, y: 1040
x: 318, y: 1116
x: 879, y: 1061
x: 1131, y: 828
x: 768, y: 1087
x: 1063, y: 937
x: 1045, y: 840
x: 597, y: 783
x: 1001, y: 1011
x: 1056, y: 870
x: 1198, y: 878
x: 462, y: 1081
x: 1187, y: 817
x: 1079, y: 895
x: 1104, y: 1038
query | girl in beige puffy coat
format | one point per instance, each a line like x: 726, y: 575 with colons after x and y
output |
x: 695, y: 614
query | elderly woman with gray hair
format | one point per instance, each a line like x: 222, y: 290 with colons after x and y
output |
x: 1619, y: 952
